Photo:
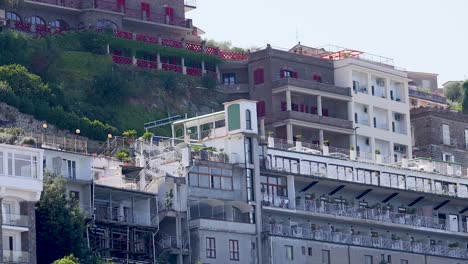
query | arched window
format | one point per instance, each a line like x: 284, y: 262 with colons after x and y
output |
x: 35, y: 20
x: 248, y: 120
x: 13, y: 16
x: 59, y: 25
x: 103, y: 23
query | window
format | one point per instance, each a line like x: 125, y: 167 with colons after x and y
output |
x: 309, y: 251
x: 211, y: 177
x: 74, y: 195
x: 69, y: 168
x: 274, y: 189
x: 403, y: 261
x: 234, y: 249
x: 445, y: 134
x: 259, y: 77
x: 210, y: 247
x: 289, y: 252
x: 104, y: 23
x: 248, y: 150
x: 59, y: 25
x: 35, y: 20
x: 22, y: 165
x: 12, y: 16
x: 368, y: 259
x: 229, y: 78
x: 288, y: 74
x: 325, y: 256
x: 250, y: 185
x: 448, y: 157
x: 303, y: 250
x: 248, y: 120
x: 317, y: 77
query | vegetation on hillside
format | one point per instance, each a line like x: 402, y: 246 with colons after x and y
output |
x: 455, y: 93
x: 69, y: 81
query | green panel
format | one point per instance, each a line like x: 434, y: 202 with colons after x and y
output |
x: 234, y: 122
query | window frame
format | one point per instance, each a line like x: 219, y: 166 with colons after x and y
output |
x: 210, y: 247
x: 234, y: 250
x: 289, y: 252
x: 248, y: 119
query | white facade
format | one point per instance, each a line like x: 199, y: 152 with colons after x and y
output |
x: 20, y: 186
x: 380, y: 107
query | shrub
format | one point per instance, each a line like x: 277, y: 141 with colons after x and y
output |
x: 147, y: 136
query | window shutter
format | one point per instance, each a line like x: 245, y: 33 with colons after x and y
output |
x: 145, y: 9
x: 282, y: 74
x: 294, y: 75
x: 120, y: 4
x: 170, y: 13
x: 261, y: 109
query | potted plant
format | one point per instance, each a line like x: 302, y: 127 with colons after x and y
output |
x: 271, y: 139
x: 28, y: 142
x: 123, y: 156
x: 378, y: 156
x: 352, y: 153
x: 147, y: 136
x: 168, y: 200
x: 298, y: 142
x: 130, y: 135
x: 325, y: 148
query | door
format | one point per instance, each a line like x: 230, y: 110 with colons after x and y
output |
x: 7, y: 210
x: 453, y: 223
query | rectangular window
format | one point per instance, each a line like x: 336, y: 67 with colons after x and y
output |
x: 368, y: 259
x: 274, y: 190
x: 250, y: 185
x: 325, y: 256
x: 445, y: 134
x: 289, y: 252
x: 234, y: 249
x: 229, y: 78
x: 310, y: 251
x: 22, y: 165
x: 403, y: 261
x: 248, y: 150
x: 259, y: 76
x: 69, y: 168
x: 210, y: 247
x: 211, y: 177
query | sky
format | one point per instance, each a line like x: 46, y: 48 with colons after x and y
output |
x: 419, y: 35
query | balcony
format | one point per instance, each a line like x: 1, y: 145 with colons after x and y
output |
x: 364, y: 241
x: 427, y: 96
x: 244, y: 227
x: 312, y: 85
x: 311, y: 118
x: 372, y: 214
x: 13, y: 256
x: 15, y: 220
x: 166, y: 241
x: 234, y: 88
x: 124, y: 216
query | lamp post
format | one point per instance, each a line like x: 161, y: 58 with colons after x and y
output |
x: 77, y: 132
x: 109, y: 137
x: 44, y: 127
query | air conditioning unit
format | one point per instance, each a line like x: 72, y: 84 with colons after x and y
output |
x: 397, y: 117
x: 380, y: 82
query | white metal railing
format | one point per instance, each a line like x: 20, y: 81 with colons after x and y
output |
x: 124, y: 215
x: 376, y: 214
x: 14, y: 256
x: 365, y: 241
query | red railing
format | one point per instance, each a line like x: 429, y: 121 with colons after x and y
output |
x: 42, y: 30
x: 121, y: 60
x: 194, y: 71
x: 146, y: 38
x: 147, y: 64
x: 172, y: 67
x: 23, y: 26
x: 194, y: 47
x: 171, y: 43
x: 123, y: 34
x: 212, y: 50
x: 233, y: 55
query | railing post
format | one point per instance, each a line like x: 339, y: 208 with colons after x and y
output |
x: 184, y: 69
x: 158, y: 61
x: 203, y: 67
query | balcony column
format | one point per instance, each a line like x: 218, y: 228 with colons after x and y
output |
x: 321, y: 137
x: 319, y: 105
x: 370, y: 111
x: 391, y: 151
x: 288, y: 100
x: 159, y: 39
x: 351, y: 111
x: 203, y: 67
x: 372, y: 147
x: 291, y: 191
x: 387, y: 88
x: 289, y: 133
x: 28, y: 209
x: 107, y: 49
x: 158, y: 61
x: 389, y: 120
x: 184, y: 69
x: 369, y: 84
x: 218, y: 73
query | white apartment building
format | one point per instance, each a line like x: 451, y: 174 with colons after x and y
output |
x: 20, y: 188
x: 380, y: 108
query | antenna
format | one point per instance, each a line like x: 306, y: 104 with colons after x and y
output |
x: 297, y: 34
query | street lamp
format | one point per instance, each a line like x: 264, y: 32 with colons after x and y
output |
x: 44, y: 126
x: 77, y: 132
x: 109, y: 137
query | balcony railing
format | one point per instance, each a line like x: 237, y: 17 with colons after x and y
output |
x: 234, y: 88
x: 324, y: 120
x: 364, y: 241
x: 313, y: 85
x: 375, y: 214
x: 427, y: 96
x: 13, y: 256
x: 15, y: 220
x: 124, y: 215
x: 171, y: 242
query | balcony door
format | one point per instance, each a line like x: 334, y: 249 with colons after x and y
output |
x: 6, y: 212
